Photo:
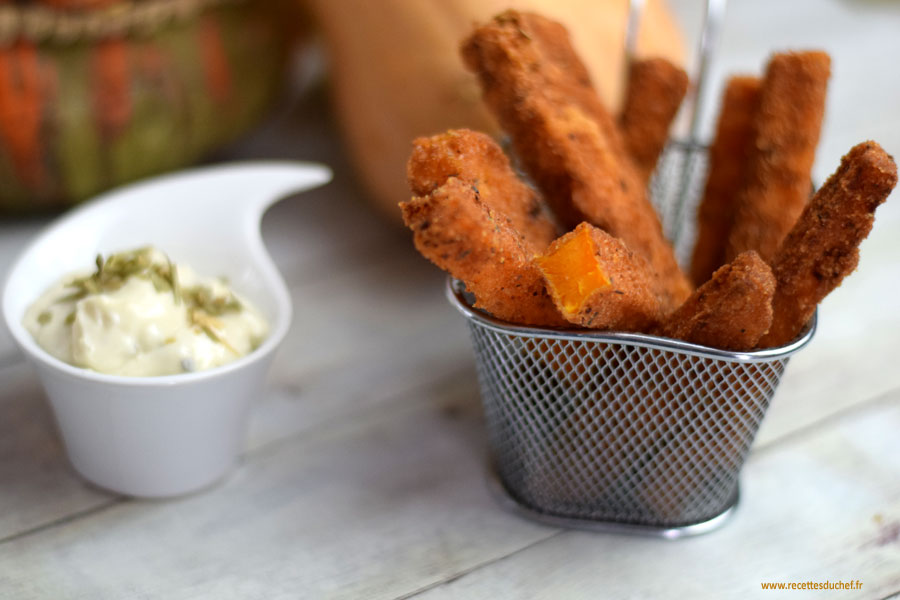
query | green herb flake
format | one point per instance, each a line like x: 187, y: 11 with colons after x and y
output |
x: 160, y: 283
x: 173, y: 281
x: 73, y: 297
x: 70, y: 318
x: 45, y: 317
x: 112, y: 273
x: 201, y: 297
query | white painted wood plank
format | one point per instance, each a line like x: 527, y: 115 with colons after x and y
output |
x: 397, y: 504
x: 822, y: 507
x: 37, y: 485
x: 14, y: 236
x: 369, y: 509
x: 367, y: 326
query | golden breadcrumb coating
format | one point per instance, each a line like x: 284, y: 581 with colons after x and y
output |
x: 654, y: 92
x: 731, y: 311
x: 459, y: 233
x: 788, y: 123
x: 476, y: 158
x: 823, y: 247
x: 728, y: 159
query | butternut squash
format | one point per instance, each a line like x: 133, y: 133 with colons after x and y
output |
x: 396, y: 73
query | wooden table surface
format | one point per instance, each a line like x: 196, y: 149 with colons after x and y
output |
x: 363, y: 474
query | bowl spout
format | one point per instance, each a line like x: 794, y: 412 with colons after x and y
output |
x: 246, y: 190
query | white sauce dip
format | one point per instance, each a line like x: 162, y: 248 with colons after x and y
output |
x: 139, y: 324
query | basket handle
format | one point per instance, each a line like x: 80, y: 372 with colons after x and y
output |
x: 709, y: 40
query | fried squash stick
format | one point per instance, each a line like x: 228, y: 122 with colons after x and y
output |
x: 459, y: 233
x: 566, y: 139
x: 731, y: 311
x: 728, y: 157
x: 823, y: 247
x: 787, y: 127
x: 654, y: 92
x: 475, y: 158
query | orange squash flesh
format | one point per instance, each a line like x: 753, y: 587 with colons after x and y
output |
x: 595, y: 281
x: 573, y: 272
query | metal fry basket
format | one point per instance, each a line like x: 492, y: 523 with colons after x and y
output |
x: 623, y: 431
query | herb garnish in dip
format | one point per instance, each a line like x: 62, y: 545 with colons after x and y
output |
x: 139, y: 314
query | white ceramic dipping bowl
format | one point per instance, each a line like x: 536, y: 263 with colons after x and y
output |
x: 170, y: 435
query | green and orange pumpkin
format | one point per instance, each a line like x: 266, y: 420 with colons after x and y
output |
x: 85, y: 106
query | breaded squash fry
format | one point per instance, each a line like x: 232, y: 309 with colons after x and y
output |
x: 731, y: 311
x: 596, y: 282
x: 823, y: 247
x: 728, y: 158
x: 512, y: 58
x: 654, y: 92
x: 552, y: 118
x: 475, y: 158
x: 788, y: 122
x: 561, y: 71
x: 476, y: 244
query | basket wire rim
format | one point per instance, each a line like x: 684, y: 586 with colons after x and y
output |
x: 455, y: 294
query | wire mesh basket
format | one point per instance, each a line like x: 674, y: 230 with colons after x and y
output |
x: 623, y: 430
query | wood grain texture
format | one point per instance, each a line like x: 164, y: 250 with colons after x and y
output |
x: 369, y: 508
x: 850, y: 534
x: 364, y: 465
x: 37, y: 485
x: 14, y: 235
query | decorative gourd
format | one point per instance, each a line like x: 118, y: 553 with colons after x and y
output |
x: 396, y: 71
x: 115, y: 91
